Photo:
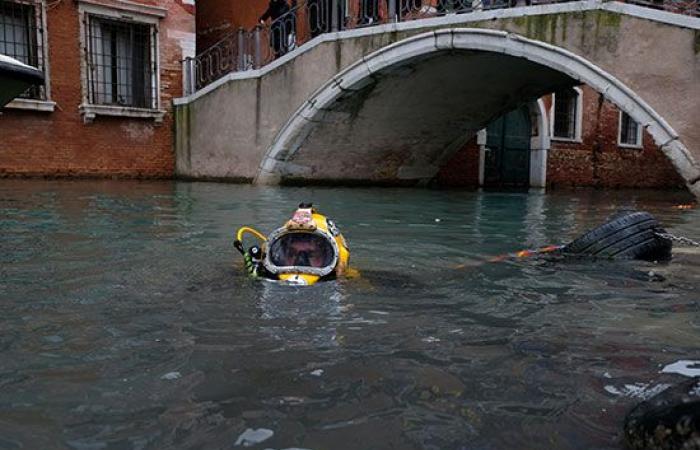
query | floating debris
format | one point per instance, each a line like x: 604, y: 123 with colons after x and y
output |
x: 684, y: 367
x: 291, y: 400
x: 641, y: 391
x: 252, y: 437
x: 171, y: 376
x: 290, y: 448
x: 317, y: 372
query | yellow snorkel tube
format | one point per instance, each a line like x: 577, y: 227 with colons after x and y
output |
x: 308, y: 248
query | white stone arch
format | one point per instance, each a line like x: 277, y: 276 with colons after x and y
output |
x: 360, y: 74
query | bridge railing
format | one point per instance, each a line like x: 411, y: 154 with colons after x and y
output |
x: 252, y: 49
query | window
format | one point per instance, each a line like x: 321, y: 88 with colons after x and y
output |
x: 630, y: 134
x: 21, y: 33
x: 566, y: 120
x: 120, y: 72
x: 120, y: 61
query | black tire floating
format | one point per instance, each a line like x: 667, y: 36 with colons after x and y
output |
x: 633, y: 235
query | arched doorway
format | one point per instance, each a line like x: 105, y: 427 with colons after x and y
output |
x: 507, y: 151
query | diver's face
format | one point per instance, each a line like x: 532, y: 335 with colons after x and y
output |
x: 304, y: 253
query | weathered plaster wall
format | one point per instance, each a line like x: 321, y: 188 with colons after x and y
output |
x: 227, y: 132
x: 402, y: 126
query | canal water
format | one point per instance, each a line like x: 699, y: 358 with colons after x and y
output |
x: 127, y: 323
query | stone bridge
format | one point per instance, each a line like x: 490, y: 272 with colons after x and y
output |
x: 391, y: 103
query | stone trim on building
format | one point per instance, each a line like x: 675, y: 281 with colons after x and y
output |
x: 132, y: 13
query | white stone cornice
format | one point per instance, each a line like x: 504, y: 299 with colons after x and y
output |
x: 129, y: 7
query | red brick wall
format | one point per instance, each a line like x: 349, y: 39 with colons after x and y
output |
x: 598, y: 161
x: 462, y: 170
x: 59, y: 143
x: 217, y: 18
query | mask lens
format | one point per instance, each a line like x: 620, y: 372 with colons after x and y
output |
x: 301, y: 250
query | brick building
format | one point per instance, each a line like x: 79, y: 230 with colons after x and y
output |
x: 607, y: 149
x: 593, y: 144
x: 112, y: 68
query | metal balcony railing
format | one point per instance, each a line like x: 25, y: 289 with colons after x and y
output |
x: 251, y: 49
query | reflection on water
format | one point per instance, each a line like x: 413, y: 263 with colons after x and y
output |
x: 109, y: 288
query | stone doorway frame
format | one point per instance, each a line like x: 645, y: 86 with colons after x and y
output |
x: 540, y: 144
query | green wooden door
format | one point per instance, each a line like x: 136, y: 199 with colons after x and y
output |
x: 507, y: 162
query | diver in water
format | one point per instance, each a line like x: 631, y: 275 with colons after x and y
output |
x: 308, y: 248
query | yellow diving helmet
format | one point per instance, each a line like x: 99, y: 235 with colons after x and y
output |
x: 308, y: 248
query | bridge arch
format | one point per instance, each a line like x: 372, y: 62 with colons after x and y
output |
x: 338, y: 99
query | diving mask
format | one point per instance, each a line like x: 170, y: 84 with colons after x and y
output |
x: 301, y: 251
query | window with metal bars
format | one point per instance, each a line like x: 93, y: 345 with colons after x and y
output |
x: 566, y: 114
x: 630, y: 131
x: 20, y: 28
x: 120, y: 60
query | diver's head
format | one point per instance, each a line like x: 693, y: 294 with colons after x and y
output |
x: 308, y: 246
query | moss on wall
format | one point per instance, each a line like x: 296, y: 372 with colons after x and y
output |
x: 554, y: 28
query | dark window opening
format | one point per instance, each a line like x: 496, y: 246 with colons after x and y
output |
x: 19, y: 37
x: 120, y: 64
x: 565, y: 113
x: 629, y: 130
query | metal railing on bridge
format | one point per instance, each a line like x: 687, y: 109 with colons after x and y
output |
x: 252, y: 49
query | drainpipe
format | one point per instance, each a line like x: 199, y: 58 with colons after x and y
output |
x: 258, y: 58
x: 481, y: 142
x: 392, y: 11
x: 335, y: 12
x: 241, y: 50
x: 597, y: 145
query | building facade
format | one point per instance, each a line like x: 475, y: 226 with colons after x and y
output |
x: 112, y: 68
x: 591, y: 144
x: 600, y: 146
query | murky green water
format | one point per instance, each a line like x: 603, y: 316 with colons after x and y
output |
x: 126, y: 322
